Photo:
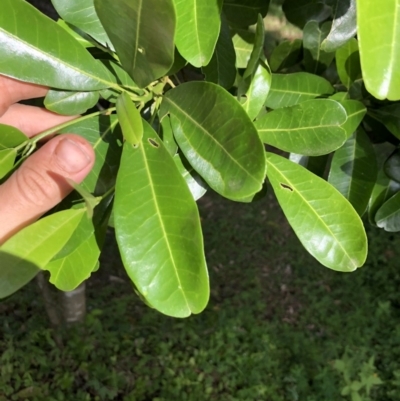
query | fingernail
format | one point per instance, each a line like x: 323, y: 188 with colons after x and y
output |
x: 71, y: 156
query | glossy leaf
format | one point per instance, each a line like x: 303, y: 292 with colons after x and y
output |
x: 142, y: 33
x: 392, y: 166
x: 388, y: 215
x: 299, y: 12
x: 217, y: 138
x: 243, y: 13
x: 32, y: 248
x: 104, y: 134
x: 7, y: 158
x: 354, y: 170
x: 286, y: 54
x: 258, y: 90
x: 390, y: 117
x: 316, y: 60
x: 121, y: 77
x: 243, y: 42
x: 10, y: 137
x: 378, y: 34
x: 311, y: 128
x: 291, y: 89
x: 56, y: 59
x: 355, y: 113
x: 77, y: 259
x: 344, y: 25
x: 197, y: 29
x: 70, y: 103
x: 158, y: 230
x: 324, y: 221
x: 76, y: 33
x: 82, y: 14
x: 258, y: 49
x: 348, y: 62
x: 194, y: 182
x: 221, y: 70
x: 130, y: 120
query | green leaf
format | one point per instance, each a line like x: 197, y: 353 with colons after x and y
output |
x: 7, y: 159
x: 391, y: 166
x: 311, y: 128
x: 299, y: 12
x: 218, y: 138
x: 378, y: 33
x: 344, y: 25
x: 11, y: 137
x: 142, y: 33
x: 82, y: 14
x: 167, y: 136
x: 390, y: 117
x: 121, y: 77
x: 158, y: 230
x: 324, y: 221
x: 291, y: 89
x: 348, y: 62
x: 33, y: 247
x: 221, y: 70
x: 130, y: 120
x: 354, y: 170
x: 285, y: 55
x: 56, y: 59
x: 243, y: 13
x: 258, y: 49
x: 258, y: 90
x: 243, y: 42
x: 388, y: 215
x: 316, y: 60
x: 76, y: 33
x: 197, y: 29
x: 77, y: 259
x: 355, y: 113
x: 70, y: 103
x: 194, y: 182
x: 104, y: 134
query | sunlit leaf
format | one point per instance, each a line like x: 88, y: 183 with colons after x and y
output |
x: 217, y: 138
x: 7, y: 158
x: 355, y: 113
x: 243, y: 42
x: 56, y: 59
x: 324, y: 221
x: 348, y: 62
x: 158, y: 230
x: 70, y: 103
x: 290, y: 89
x: 130, y: 120
x: 311, y: 128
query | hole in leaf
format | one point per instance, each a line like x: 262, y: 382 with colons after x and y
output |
x: 153, y: 143
x: 285, y: 186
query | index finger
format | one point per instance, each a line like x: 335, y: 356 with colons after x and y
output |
x: 12, y: 91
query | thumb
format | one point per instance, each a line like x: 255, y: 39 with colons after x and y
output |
x: 41, y: 182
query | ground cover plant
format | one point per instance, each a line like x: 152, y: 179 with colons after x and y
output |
x: 188, y: 100
x: 281, y: 330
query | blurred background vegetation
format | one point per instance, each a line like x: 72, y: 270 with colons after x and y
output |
x: 278, y: 327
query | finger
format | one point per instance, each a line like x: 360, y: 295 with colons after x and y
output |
x: 12, y: 91
x: 40, y: 183
x: 32, y: 120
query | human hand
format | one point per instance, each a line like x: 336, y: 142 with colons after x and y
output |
x: 41, y: 181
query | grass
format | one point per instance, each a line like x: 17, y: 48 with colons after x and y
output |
x: 278, y: 327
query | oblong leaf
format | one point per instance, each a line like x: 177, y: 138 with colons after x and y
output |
x: 70, y: 103
x: 258, y: 49
x: 158, y: 230
x: 388, y: 215
x: 11, y: 137
x: 344, y: 25
x: 56, y: 59
x: 324, y: 221
x: 217, y: 138
x: 142, y: 33
x: 380, y: 46
x: 197, y: 29
x: 243, y: 13
x: 130, y: 120
x: 355, y: 113
x: 286, y: 54
x: 311, y: 128
x: 290, y: 89
x: 243, y: 42
x: 33, y: 247
x: 82, y: 14
x: 354, y: 170
x: 348, y: 62
x: 7, y: 159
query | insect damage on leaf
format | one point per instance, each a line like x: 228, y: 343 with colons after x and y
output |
x: 287, y: 187
x: 153, y: 143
